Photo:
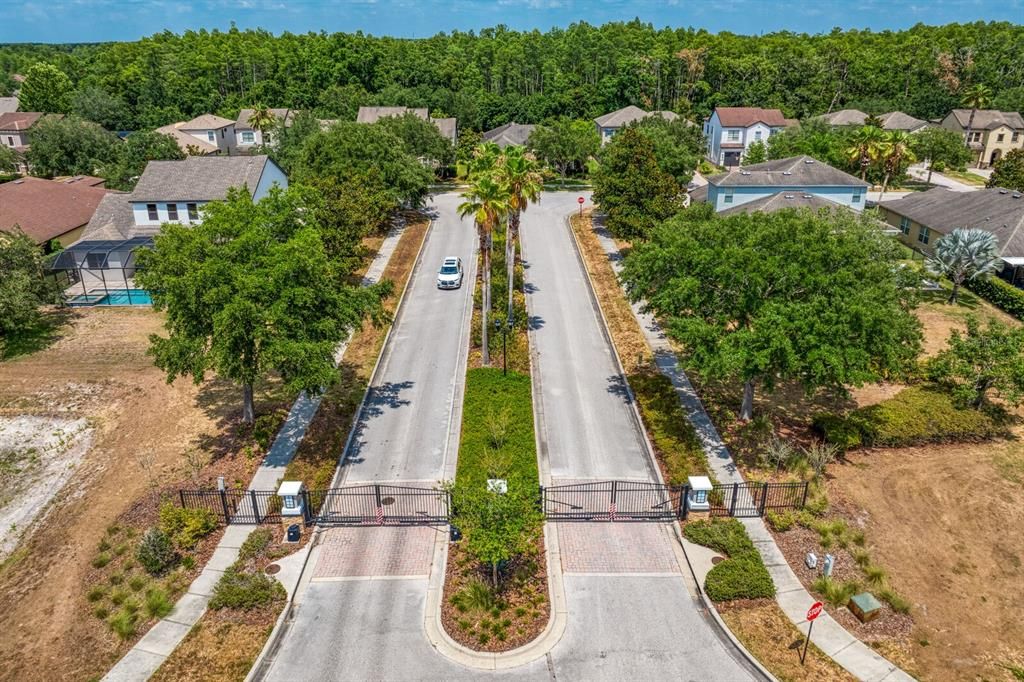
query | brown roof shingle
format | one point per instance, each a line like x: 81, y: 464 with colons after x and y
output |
x: 46, y: 209
x: 742, y: 117
x: 17, y: 121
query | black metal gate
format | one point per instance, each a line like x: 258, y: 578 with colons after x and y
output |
x: 754, y: 499
x: 611, y: 501
x: 378, y: 504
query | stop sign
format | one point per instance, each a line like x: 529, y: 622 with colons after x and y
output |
x: 580, y: 200
x: 814, y: 611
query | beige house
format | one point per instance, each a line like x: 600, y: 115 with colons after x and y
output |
x: 993, y: 133
x: 203, y: 135
x: 922, y: 218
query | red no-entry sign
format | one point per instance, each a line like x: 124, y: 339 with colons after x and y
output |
x: 580, y: 202
x: 814, y: 611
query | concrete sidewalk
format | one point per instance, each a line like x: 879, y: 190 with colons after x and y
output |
x: 845, y: 649
x: 143, y: 659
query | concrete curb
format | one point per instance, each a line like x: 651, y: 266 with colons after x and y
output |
x: 262, y: 664
x: 677, y: 547
x: 857, y: 658
x: 555, y: 628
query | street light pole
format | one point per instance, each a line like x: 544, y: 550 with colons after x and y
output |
x: 504, y: 329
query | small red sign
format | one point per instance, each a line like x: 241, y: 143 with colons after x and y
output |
x: 814, y: 611
x: 580, y: 200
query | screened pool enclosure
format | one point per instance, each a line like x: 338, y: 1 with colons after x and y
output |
x: 101, y: 272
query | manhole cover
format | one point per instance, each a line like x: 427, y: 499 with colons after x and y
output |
x: 272, y: 569
x: 717, y: 559
x: 387, y: 501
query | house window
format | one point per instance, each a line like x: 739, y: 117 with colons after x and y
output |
x: 905, y: 225
x: 757, y: 135
x: 172, y: 211
x: 248, y: 137
x: 151, y: 209
x: 975, y: 137
x: 732, y: 135
x: 193, y: 211
x: 1000, y: 137
x: 923, y: 234
x: 10, y: 141
x: 728, y: 196
x: 856, y: 198
x: 210, y: 136
x: 1014, y: 137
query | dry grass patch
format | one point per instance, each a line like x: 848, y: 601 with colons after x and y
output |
x: 318, y: 454
x: 768, y: 634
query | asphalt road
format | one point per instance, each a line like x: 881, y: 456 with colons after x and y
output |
x: 590, y: 430
x: 404, y: 431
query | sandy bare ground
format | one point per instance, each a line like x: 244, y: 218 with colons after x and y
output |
x: 37, y: 457
x: 141, y: 426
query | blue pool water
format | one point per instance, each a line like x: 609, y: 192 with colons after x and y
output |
x: 114, y: 297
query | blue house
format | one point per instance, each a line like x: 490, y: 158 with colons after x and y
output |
x: 793, y: 182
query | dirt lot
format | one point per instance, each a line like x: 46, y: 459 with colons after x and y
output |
x: 947, y: 523
x: 142, y: 426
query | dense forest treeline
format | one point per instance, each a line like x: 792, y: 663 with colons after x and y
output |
x: 497, y: 75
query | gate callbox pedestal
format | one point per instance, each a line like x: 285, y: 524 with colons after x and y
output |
x: 292, y: 511
x: 700, y: 488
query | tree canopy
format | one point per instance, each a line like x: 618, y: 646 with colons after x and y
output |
x: 46, y: 89
x: 23, y: 287
x: 980, y: 360
x: 1008, y: 171
x: 565, y: 144
x: 490, y: 77
x: 785, y: 296
x: 130, y: 157
x: 68, y: 146
x: 249, y: 290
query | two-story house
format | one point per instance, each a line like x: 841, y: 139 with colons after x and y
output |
x: 798, y: 181
x: 103, y: 259
x: 203, y: 135
x: 247, y: 136
x: 609, y: 124
x: 993, y: 133
x: 448, y: 127
x: 14, y: 128
x: 731, y: 130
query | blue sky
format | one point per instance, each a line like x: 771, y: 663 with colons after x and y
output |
x: 99, y: 20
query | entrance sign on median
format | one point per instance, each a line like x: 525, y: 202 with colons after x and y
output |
x: 812, y: 613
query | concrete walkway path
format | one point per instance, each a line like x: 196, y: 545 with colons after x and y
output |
x: 828, y: 635
x: 143, y: 659
x: 920, y: 172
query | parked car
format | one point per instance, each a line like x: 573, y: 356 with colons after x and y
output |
x: 450, y: 274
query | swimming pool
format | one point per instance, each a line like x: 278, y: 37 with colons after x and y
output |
x: 113, y: 297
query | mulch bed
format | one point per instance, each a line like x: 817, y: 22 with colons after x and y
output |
x: 524, y: 593
x: 796, y: 542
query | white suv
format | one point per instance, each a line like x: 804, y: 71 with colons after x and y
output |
x: 450, y: 274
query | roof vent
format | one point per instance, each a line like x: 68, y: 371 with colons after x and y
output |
x: 808, y: 196
x: 1003, y: 191
x: 744, y: 172
x: 808, y: 160
x: 788, y: 196
x: 787, y: 172
x: 18, y: 182
x: 1016, y: 195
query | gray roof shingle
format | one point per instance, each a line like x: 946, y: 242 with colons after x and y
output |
x: 374, y: 114
x: 509, y: 134
x: 112, y: 219
x: 781, y: 200
x: 844, y: 117
x: 631, y: 114
x: 206, y: 122
x: 989, y: 119
x: 198, y: 178
x: 996, y: 210
x: 897, y: 120
x: 795, y: 171
x: 242, y: 122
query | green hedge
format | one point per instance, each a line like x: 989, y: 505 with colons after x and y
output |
x: 674, y: 437
x: 1001, y: 294
x: 743, y: 575
x: 240, y: 590
x: 916, y: 415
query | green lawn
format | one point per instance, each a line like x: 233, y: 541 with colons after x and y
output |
x: 966, y: 177
x: 497, y: 429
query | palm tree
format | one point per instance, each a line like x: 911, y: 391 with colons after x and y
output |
x: 867, y: 145
x: 975, y: 97
x: 519, y: 172
x: 262, y: 119
x: 485, y: 158
x: 896, y: 150
x: 965, y: 254
x: 487, y: 200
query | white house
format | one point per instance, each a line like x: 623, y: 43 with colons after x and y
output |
x: 731, y: 130
x: 609, y: 124
x: 247, y: 137
x: 206, y: 134
x: 796, y: 182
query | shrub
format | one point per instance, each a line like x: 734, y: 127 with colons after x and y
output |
x: 875, y: 575
x: 742, y: 577
x: 118, y: 597
x: 238, y: 590
x: 999, y: 293
x: 186, y: 527
x: 843, y: 432
x: 938, y: 166
x: 101, y: 560
x: 158, y: 604
x: 728, y: 536
x: 780, y: 521
x: 255, y: 544
x: 136, y: 583
x: 96, y: 593
x: 101, y: 612
x: 836, y: 593
x: 475, y: 596
x: 123, y: 624
x: 155, y: 552
x: 916, y: 415
x: 895, y: 601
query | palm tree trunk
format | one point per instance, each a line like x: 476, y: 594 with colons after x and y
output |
x: 929, y: 180
x: 885, y: 183
x: 967, y: 136
x: 510, y: 256
x: 956, y: 290
x: 485, y: 350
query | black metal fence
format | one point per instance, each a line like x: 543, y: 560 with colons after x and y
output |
x: 380, y: 504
